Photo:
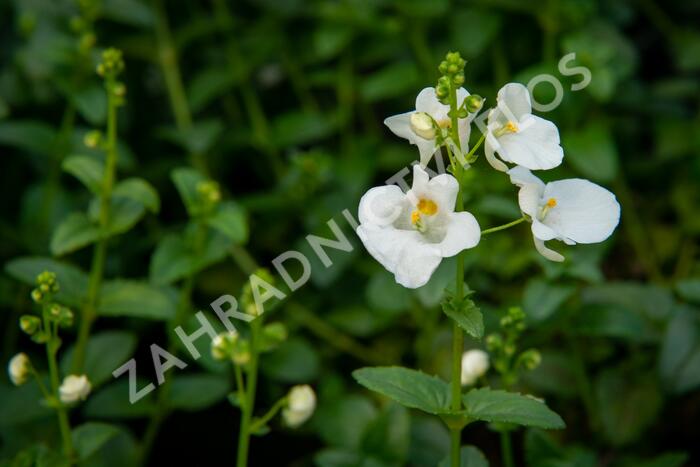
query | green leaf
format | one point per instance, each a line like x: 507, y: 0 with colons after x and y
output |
x: 490, y: 405
x: 653, y: 301
x: 629, y: 404
x: 193, y: 392
x: 72, y: 281
x: 388, y: 436
x: 124, y: 214
x: 20, y: 405
x: 679, y: 361
x: 294, y: 361
x: 614, y: 321
x: 210, y: 84
x: 383, y: 293
x: 91, y: 102
x: 408, y: 387
x: 186, y: 181
x: 112, y: 401
x: 174, y: 259
x: 86, y: 169
x: 29, y: 135
x: 75, y: 232
x: 298, y: 128
x: 591, y: 150
x: 134, y: 298
x: 139, y: 190
x: 542, y: 299
x: 473, y: 29
x: 345, y: 420
x: 89, y: 437
x: 230, y: 219
x: 689, y: 289
x: 470, y: 456
x: 465, y: 313
x: 105, y: 352
x: 393, y: 80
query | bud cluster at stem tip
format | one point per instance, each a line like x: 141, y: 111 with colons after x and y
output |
x: 112, y: 63
x: 46, y: 285
x: 452, y: 71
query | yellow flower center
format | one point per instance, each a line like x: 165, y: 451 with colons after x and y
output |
x: 511, y: 127
x: 415, y: 217
x: 445, y: 123
x: 551, y: 202
x: 427, y: 206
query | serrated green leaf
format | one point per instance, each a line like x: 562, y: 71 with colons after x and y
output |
x: 408, y: 387
x: 89, y: 437
x: 465, y: 313
x: 490, y: 405
x: 75, y: 232
x: 133, y: 298
x: 139, y: 190
x: 72, y: 281
x: 86, y: 169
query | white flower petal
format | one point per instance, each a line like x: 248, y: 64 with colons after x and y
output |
x: 463, y: 232
x: 584, y: 213
x: 400, y: 125
x: 427, y: 102
x: 546, y: 252
x: 514, y: 101
x: 541, y: 231
x: 491, y: 158
x: 531, y: 190
x: 381, y: 205
x: 442, y: 189
x: 535, y: 145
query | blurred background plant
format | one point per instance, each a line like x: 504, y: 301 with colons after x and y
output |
x: 281, y: 103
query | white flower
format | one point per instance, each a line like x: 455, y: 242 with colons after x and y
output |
x: 19, y: 368
x: 74, y: 388
x: 418, y: 128
x: 409, y: 233
x: 301, y: 403
x: 572, y: 210
x: 517, y: 135
x: 475, y: 364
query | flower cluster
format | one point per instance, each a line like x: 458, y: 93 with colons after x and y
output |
x: 409, y: 233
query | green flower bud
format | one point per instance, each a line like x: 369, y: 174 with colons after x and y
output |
x: 112, y: 63
x: 29, y: 324
x: 458, y: 79
x: 473, y: 103
x: 530, y: 359
x: 509, y: 349
x: 119, y: 90
x: 62, y: 315
x: 443, y: 67
x: 37, y: 296
x: 275, y: 331
x: 494, y: 342
x: 92, y: 139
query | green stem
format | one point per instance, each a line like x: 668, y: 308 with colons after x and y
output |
x: 506, y: 449
x: 503, y: 227
x: 252, y: 371
x: 262, y: 421
x: 100, y: 254
x: 457, y: 334
x: 51, y: 349
x: 167, y: 55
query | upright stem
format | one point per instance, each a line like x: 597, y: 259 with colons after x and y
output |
x: 99, y: 257
x: 506, y: 449
x: 251, y: 384
x: 63, y: 422
x: 457, y: 334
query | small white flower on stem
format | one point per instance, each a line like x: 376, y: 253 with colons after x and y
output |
x: 475, y: 364
x: 518, y: 136
x: 19, y: 369
x: 409, y: 233
x: 74, y: 388
x: 572, y: 210
x: 301, y: 403
x: 420, y: 126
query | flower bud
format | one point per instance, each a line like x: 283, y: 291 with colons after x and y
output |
x: 62, y: 315
x: 19, y: 369
x: 37, y: 296
x: 475, y: 364
x: 530, y: 359
x: 273, y: 335
x: 422, y: 125
x: 74, y: 388
x: 209, y: 192
x: 494, y: 342
x: 230, y: 345
x: 29, y: 324
x: 47, y: 283
x: 301, y: 403
x: 473, y: 103
x: 92, y: 139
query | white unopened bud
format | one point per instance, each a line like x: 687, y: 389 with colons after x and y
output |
x: 74, y: 388
x: 301, y: 405
x: 422, y: 125
x: 19, y: 368
x: 475, y: 364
